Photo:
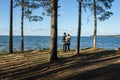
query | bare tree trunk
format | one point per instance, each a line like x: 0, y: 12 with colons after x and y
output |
x: 95, y: 26
x: 22, y: 30
x: 79, y: 26
x: 11, y: 28
x: 53, y: 37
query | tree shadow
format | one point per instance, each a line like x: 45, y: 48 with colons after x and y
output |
x: 77, y: 64
x: 89, y: 75
x: 90, y: 56
x: 73, y: 62
x: 110, y: 72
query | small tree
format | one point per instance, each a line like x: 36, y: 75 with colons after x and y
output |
x: 100, y: 9
x: 26, y: 10
x: 95, y: 25
x: 22, y: 23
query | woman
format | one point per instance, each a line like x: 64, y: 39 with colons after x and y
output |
x: 68, y: 39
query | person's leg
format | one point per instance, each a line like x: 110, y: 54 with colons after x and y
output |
x: 68, y: 46
x: 63, y: 47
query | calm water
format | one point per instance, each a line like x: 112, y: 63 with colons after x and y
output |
x: 43, y: 42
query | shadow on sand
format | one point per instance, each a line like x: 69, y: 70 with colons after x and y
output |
x: 44, y: 71
x: 110, y: 72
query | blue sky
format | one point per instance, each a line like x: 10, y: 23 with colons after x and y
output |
x: 67, y: 21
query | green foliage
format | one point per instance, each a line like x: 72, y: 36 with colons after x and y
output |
x: 30, y: 6
x: 105, y: 3
x: 35, y: 18
x: 102, y: 8
x: 105, y: 16
x: 46, y: 5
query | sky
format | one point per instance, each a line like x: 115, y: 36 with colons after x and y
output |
x: 67, y: 21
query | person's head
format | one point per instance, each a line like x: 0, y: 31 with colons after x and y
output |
x: 68, y: 34
x: 64, y: 33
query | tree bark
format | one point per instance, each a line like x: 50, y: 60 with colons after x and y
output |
x: 53, y: 37
x: 95, y: 26
x: 11, y: 28
x: 79, y: 26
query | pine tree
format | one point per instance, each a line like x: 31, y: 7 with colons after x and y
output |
x: 79, y: 25
x: 11, y: 28
x: 100, y: 9
x: 53, y: 37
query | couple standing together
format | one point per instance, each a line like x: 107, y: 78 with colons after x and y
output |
x: 66, y: 42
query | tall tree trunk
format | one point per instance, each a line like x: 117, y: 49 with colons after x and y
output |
x: 79, y: 26
x: 11, y: 28
x: 95, y: 26
x: 53, y: 37
x: 22, y: 23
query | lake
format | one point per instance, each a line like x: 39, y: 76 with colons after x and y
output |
x: 43, y: 42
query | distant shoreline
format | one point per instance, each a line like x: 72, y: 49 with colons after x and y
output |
x: 109, y: 35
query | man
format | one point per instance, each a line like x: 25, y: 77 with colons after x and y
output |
x: 64, y: 42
